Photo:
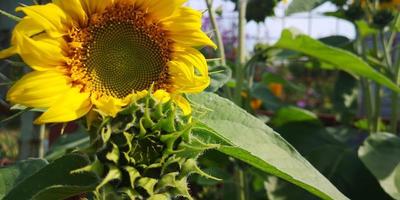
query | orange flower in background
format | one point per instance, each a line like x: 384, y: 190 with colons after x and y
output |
x: 256, y: 104
x: 276, y: 89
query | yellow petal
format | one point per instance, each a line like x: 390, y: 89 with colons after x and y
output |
x: 192, y: 56
x: 189, y: 71
x: 183, y: 104
x: 108, y: 106
x: 52, y: 18
x: 70, y: 106
x: 27, y: 26
x: 185, y: 29
x: 160, y: 9
x: 8, y: 52
x: 38, y: 89
x: 95, y: 6
x: 42, y: 54
x: 74, y: 9
x: 162, y: 96
x: 195, y: 38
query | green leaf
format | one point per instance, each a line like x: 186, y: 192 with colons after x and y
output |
x: 220, y: 75
x: 364, y: 29
x: 14, y: 174
x: 336, y: 40
x: 332, y: 152
x: 380, y: 154
x: 293, y: 114
x: 245, y: 137
x: 344, y: 96
x: 342, y: 59
x: 55, y: 181
x: 303, y: 6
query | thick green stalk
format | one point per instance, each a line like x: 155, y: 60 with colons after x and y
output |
x: 395, y: 96
x: 396, y: 78
x: 377, y: 113
x: 242, y: 51
x: 394, y: 68
x: 395, y: 110
x: 365, y: 85
x: 241, y: 184
x: 240, y: 71
x: 218, y: 36
x: 378, y: 89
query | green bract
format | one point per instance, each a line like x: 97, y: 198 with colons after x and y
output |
x: 146, y: 152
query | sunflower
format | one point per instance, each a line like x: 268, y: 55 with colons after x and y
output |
x: 103, y: 54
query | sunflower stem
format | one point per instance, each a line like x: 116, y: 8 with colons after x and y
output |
x: 218, y: 36
x: 241, y: 62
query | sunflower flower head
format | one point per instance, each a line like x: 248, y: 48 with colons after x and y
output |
x: 102, y: 55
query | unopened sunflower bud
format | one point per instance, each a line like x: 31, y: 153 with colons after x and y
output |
x: 148, y: 152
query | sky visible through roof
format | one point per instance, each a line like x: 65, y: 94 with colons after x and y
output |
x: 313, y: 23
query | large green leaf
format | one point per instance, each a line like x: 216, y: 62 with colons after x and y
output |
x: 245, y: 137
x: 14, y: 174
x: 293, y: 114
x: 55, y: 181
x: 342, y: 59
x: 303, y: 6
x: 333, y: 152
x: 381, y: 154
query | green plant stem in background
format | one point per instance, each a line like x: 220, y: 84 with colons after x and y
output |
x: 218, y: 37
x: 42, y: 137
x: 394, y: 32
x: 11, y: 16
x: 27, y: 130
x: 395, y: 97
x: 365, y: 85
x: 242, y: 51
x: 377, y: 111
x: 378, y: 89
x: 241, y: 184
x: 240, y: 71
x: 396, y: 78
x: 394, y: 69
